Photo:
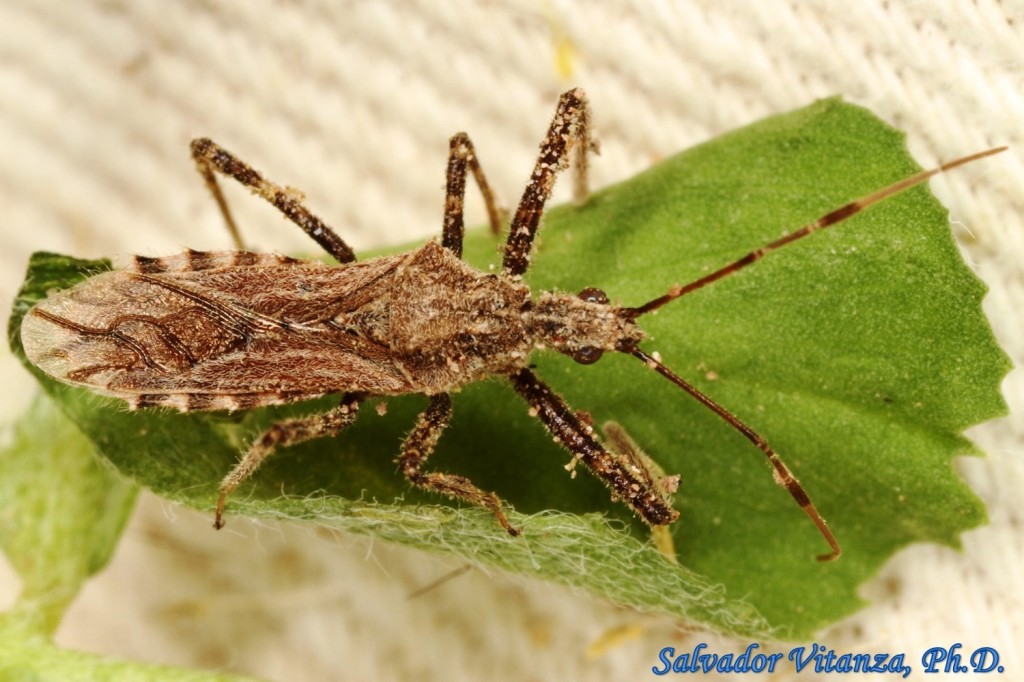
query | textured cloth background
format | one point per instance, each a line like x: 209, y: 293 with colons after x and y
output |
x: 353, y: 102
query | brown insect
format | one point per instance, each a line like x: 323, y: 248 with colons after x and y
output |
x: 233, y: 330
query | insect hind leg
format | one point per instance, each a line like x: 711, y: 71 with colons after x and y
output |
x: 462, y: 160
x: 210, y: 157
x: 569, y: 131
x: 419, y: 445
x: 282, y: 434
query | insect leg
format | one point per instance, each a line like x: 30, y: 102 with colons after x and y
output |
x: 569, y: 128
x: 623, y: 446
x: 418, y: 446
x: 631, y: 483
x: 210, y: 156
x: 462, y: 159
x: 283, y: 434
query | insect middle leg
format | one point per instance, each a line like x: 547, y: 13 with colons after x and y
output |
x: 283, y: 434
x: 418, y: 446
x: 210, y: 156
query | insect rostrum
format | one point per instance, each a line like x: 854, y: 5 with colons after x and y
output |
x: 234, y: 330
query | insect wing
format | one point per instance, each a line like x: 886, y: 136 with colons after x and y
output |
x: 221, y: 337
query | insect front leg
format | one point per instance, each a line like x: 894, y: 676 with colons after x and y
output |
x: 462, y: 159
x: 569, y: 130
x: 210, y: 157
x: 283, y: 434
x: 418, y: 446
x: 633, y: 484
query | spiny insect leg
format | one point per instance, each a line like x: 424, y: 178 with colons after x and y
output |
x: 462, y: 159
x: 570, y: 129
x: 620, y: 443
x: 783, y: 476
x: 419, y: 445
x: 210, y: 157
x: 283, y: 434
x: 627, y: 482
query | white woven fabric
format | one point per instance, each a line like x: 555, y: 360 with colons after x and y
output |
x: 353, y: 102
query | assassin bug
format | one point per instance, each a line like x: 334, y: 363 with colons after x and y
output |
x: 235, y: 329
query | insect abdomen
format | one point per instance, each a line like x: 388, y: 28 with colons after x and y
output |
x: 193, y: 402
x: 195, y: 261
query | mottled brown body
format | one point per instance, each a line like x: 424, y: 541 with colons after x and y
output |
x: 235, y: 329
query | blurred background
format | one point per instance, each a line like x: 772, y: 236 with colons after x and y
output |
x: 353, y: 103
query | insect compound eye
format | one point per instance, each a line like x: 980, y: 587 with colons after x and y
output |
x: 587, y: 355
x: 592, y: 295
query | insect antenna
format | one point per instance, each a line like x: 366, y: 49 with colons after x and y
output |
x: 828, y: 220
x: 783, y: 476
x: 782, y: 473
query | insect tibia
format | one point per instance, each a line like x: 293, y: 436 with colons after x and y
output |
x: 626, y: 450
x: 582, y: 329
x: 630, y: 455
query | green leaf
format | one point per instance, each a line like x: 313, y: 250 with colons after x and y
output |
x: 61, y: 514
x: 860, y: 354
x: 62, y: 510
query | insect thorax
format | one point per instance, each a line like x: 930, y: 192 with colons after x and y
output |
x: 450, y: 324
